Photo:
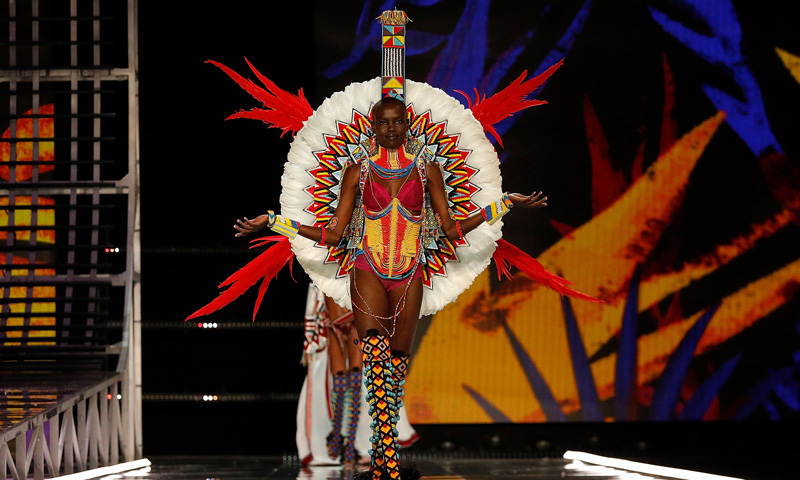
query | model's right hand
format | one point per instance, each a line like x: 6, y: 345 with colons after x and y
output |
x: 248, y: 226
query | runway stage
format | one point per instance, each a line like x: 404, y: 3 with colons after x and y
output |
x: 251, y: 468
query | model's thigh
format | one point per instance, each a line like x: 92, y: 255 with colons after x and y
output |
x: 336, y: 347
x: 369, y: 300
x: 354, y: 350
x: 406, y: 326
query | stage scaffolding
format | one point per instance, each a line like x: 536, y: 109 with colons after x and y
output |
x: 70, y: 355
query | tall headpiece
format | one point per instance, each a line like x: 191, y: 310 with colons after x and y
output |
x: 393, y: 53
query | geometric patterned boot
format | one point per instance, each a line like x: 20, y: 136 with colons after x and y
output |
x: 337, y: 406
x: 399, y: 370
x: 353, y: 400
x: 380, y: 397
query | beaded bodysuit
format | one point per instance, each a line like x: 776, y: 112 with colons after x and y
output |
x: 390, y: 245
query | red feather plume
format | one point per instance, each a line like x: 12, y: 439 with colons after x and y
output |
x: 266, y: 266
x: 507, y: 101
x: 507, y: 255
x: 283, y: 109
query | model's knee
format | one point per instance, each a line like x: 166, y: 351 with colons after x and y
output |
x: 374, y: 346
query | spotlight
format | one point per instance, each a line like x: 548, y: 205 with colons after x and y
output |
x: 142, y: 465
x: 642, y: 467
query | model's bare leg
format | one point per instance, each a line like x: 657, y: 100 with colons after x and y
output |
x: 353, y: 352
x: 406, y: 326
x: 353, y: 396
x: 337, y: 341
x: 369, y: 298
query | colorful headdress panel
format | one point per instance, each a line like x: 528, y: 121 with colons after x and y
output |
x: 393, y: 54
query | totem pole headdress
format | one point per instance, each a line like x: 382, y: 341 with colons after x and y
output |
x: 393, y: 54
x: 329, y: 138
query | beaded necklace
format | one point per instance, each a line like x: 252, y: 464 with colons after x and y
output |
x: 391, y: 167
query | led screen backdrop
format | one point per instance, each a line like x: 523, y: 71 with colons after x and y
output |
x: 26, y: 158
x: 669, y: 152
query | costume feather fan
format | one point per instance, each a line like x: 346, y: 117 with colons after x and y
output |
x: 507, y: 255
x: 283, y: 109
x: 266, y: 266
x: 508, y: 101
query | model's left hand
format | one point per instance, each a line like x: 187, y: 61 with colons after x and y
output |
x: 534, y: 200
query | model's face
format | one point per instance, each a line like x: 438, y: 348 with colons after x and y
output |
x: 390, y: 124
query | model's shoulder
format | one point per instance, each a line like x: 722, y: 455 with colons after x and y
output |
x: 351, y: 172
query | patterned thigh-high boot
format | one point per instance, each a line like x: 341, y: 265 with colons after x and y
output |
x: 378, y: 380
x: 337, y: 407
x: 399, y: 368
x: 353, y: 399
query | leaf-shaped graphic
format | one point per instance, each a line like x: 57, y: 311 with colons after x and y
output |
x: 667, y: 392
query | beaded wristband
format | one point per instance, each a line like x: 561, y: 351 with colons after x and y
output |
x: 494, y: 211
x: 283, y: 226
x: 322, y: 235
x: 458, y: 229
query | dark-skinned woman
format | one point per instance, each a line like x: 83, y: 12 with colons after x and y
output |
x: 384, y: 231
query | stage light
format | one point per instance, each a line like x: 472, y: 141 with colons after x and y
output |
x: 110, y: 470
x: 109, y: 396
x: 119, y: 396
x: 638, y: 467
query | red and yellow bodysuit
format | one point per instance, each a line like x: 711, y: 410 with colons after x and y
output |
x: 391, y: 244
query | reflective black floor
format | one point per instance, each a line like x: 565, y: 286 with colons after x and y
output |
x: 247, y: 468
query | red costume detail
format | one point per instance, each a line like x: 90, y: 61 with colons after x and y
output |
x: 283, y: 110
x: 507, y: 101
x: 266, y: 266
x: 507, y: 255
x: 410, y: 196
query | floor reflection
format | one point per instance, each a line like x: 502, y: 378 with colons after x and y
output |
x: 251, y: 468
x: 326, y: 473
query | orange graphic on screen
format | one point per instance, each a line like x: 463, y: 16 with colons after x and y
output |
x: 507, y: 355
x: 28, y: 217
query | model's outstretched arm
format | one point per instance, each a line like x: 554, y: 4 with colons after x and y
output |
x: 455, y: 229
x: 331, y: 234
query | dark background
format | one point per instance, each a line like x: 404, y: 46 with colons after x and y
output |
x: 199, y: 173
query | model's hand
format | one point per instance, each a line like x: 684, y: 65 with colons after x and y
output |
x: 248, y: 226
x: 534, y: 200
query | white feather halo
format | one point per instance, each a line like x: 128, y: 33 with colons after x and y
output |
x: 339, y: 107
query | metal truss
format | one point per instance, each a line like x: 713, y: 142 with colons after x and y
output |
x: 69, y: 235
x: 88, y: 430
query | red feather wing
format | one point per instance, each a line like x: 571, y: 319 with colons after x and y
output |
x: 507, y: 255
x: 510, y: 100
x: 265, y: 266
x: 282, y: 109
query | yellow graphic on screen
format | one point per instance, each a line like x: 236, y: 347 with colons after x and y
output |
x: 26, y: 156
